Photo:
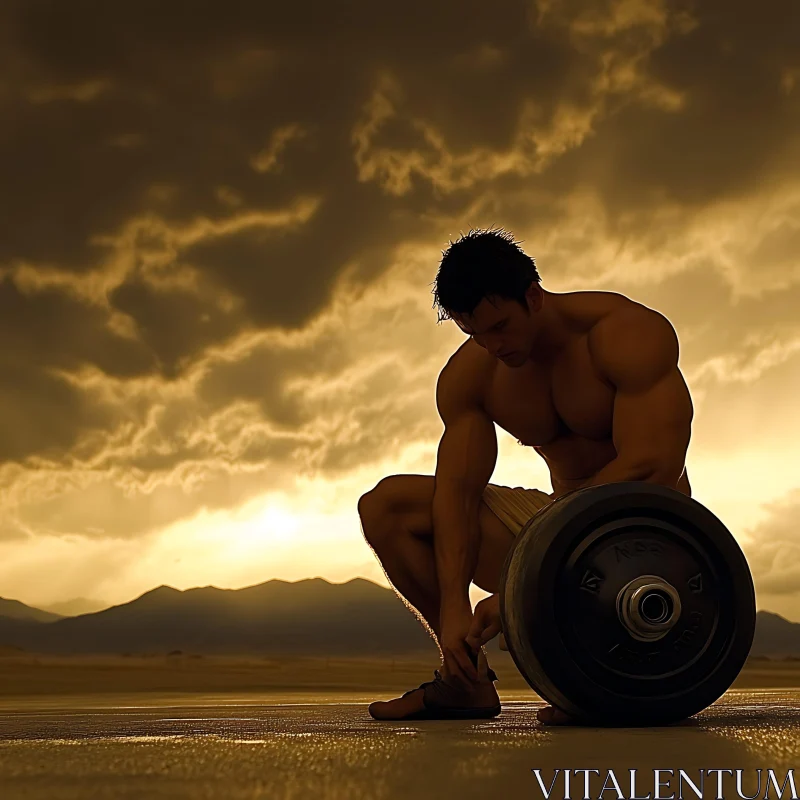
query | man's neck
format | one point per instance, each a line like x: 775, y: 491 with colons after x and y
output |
x: 554, y: 335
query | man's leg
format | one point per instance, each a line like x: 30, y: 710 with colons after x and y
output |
x: 396, y: 518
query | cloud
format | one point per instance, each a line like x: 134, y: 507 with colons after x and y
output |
x: 218, y: 233
x: 773, y: 550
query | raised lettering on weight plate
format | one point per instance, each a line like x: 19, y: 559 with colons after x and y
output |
x: 687, y: 634
x: 637, y: 547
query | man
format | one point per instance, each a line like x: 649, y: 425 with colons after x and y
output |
x: 589, y: 380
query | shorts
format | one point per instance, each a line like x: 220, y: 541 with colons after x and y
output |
x: 514, y: 507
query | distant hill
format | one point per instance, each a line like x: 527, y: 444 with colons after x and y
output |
x: 308, y: 617
x: 775, y: 636
x: 75, y: 607
x: 13, y: 609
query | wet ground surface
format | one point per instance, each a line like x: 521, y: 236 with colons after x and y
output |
x: 286, y: 747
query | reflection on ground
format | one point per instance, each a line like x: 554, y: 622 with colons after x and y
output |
x: 297, y: 746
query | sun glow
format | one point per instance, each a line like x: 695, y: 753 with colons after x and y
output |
x: 275, y: 523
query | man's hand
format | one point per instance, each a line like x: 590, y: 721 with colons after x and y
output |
x: 486, y: 623
x: 456, y: 624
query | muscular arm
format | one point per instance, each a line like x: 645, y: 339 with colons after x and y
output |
x: 465, y: 461
x: 637, y: 351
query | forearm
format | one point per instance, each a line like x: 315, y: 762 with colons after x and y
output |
x: 619, y: 470
x: 456, y: 543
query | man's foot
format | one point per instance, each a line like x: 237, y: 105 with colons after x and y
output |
x: 443, y: 698
x: 553, y: 716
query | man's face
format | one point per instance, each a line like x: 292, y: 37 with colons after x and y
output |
x: 502, y: 328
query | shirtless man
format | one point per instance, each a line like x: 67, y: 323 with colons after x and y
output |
x: 589, y: 380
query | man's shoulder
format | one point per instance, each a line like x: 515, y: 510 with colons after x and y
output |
x: 467, y: 372
x: 626, y: 317
x: 597, y: 306
x: 629, y: 336
x: 470, y: 361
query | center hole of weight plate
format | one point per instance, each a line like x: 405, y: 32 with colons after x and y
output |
x: 656, y: 606
x: 648, y: 607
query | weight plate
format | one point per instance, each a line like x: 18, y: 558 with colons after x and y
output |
x: 627, y: 604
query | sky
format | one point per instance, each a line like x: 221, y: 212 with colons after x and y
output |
x: 219, y: 234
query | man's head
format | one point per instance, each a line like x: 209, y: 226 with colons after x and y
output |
x: 491, y: 289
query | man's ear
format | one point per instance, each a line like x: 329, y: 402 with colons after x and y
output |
x: 534, y: 295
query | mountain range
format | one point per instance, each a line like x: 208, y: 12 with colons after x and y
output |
x: 309, y: 617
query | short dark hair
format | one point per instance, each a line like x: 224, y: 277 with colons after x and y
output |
x: 481, y: 264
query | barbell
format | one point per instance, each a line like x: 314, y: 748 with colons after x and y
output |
x: 627, y: 604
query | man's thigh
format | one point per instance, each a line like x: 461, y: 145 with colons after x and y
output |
x: 408, y: 499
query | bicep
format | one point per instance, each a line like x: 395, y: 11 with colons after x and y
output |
x: 467, y: 451
x: 638, y: 351
x: 652, y: 424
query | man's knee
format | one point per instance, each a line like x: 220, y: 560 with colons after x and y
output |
x: 366, y: 513
x: 381, y: 497
x: 378, y: 510
x: 372, y: 510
